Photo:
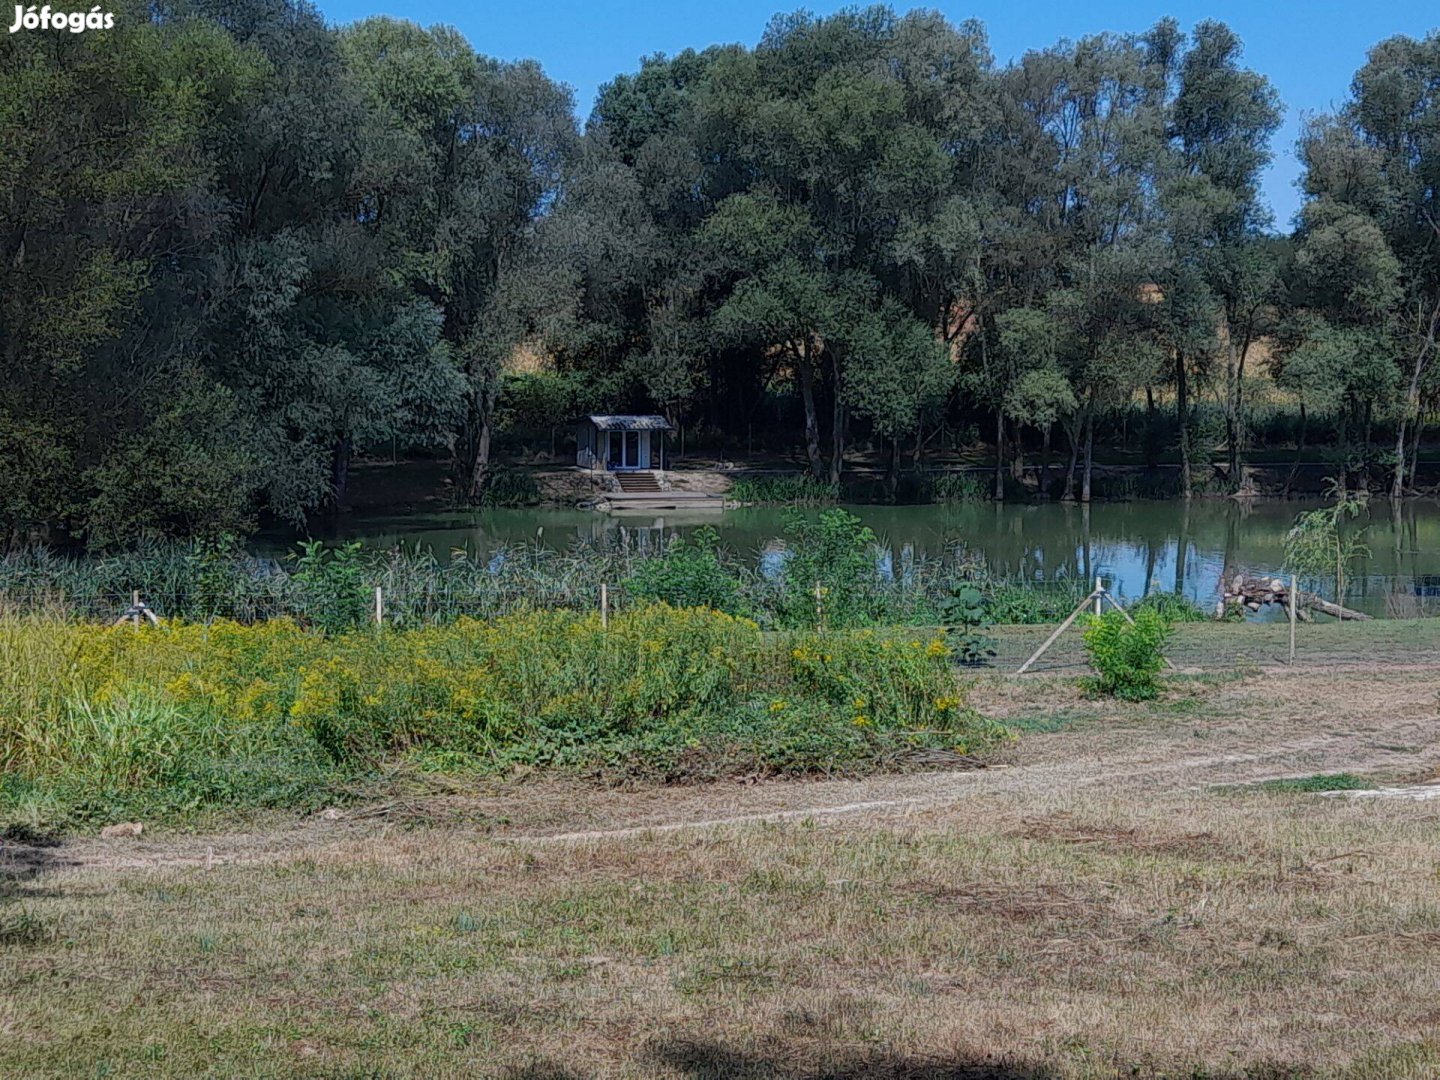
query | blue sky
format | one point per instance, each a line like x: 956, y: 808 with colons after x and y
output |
x: 1308, y: 50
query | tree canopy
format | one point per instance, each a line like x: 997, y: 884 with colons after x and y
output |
x: 240, y: 246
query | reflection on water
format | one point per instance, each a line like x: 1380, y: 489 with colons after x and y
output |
x: 1134, y: 546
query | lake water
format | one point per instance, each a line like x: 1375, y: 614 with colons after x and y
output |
x: 1134, y: 545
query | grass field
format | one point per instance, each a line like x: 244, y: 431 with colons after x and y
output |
x: 1129, y: 895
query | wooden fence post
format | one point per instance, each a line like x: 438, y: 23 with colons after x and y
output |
x: 1294, y: 598
x: 819, y: 607
x: 1057, y: 632
x: 136, y: 612
x: 1099, y: 592
x: 604, y: 606
x: 379, y: 606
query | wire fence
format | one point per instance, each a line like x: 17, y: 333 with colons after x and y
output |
x: 1238, y: 647
x: 1404, y: 633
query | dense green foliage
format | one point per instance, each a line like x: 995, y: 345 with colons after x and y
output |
x: 1323, y: 544
x: 1172, y: 607
x: 690, y: 573
x: 100, y: 722
x: 239, y: 247
x: 1127, y: 654
x: 783, y: 491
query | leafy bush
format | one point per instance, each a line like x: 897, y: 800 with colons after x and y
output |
x: 510, y: 487
x: 801, y: 490
x: 961, y: 487
x: 221, y: 581
x: 186, y: 716
x: 963, y: 612
x: 1031, y: 603
x: 1172, y: 607
x: 1320, y: 545
x: 1127, y: 656
x: 830, y: 574
x: 689, y: 574
x: 332, y: 582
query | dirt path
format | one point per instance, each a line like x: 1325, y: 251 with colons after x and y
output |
x: 1385, y: 725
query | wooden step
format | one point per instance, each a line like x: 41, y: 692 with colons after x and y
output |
x: 637, y: 482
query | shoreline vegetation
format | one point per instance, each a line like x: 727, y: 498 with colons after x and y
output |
x: 333, y: 587
x: 527, y: 481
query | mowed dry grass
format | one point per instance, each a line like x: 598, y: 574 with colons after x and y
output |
x: 1095, y: 910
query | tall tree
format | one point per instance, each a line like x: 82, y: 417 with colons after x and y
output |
x: 1371, y: 234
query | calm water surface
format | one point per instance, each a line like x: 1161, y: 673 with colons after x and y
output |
x: 1133, y: 545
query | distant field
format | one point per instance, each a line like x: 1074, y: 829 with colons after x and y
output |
x: 1125, y: 898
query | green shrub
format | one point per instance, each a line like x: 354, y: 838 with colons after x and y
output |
x: 510, y: 487
x: 961, y: 487
x: 803, y: 490
x: 1172, y: 607
x: 1127, y: 656
x: 690, y: 574
x: 834, y: 555
x: 1031, y: 603
x: 962, y: 610
x: 332, y: 584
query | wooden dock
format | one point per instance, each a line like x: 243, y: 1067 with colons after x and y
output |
x: 641, y: 490
x: 663, y: 500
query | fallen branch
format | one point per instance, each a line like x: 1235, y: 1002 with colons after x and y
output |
x: 1252, y: 593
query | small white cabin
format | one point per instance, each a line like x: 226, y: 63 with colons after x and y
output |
x: 621, y: 443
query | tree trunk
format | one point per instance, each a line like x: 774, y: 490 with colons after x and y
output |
x: 999, y: 454
x: 812, y: 420
x: 1415, y: 449
x: 1152, y: 442
x: 1045, y: 461
x: 1412, y: 402
x: 480, y: 468
x: 1068, y: 495
x: 892, y: 474
x: 1089, y: 454
x: 837, y: 445
x: 1182, y: 420
x: 1367, y: 448
x: 340, y: 470
x: 1299, y: 449
x: 1235, y: 366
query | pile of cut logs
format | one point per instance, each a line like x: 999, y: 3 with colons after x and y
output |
x: 1248, y: 592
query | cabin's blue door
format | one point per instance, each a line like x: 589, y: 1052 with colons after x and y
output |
x: 627, y: 450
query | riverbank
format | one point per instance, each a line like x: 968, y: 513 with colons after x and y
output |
x: 380, y: 488
x: 988, y: 923
x: 483, y: 563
